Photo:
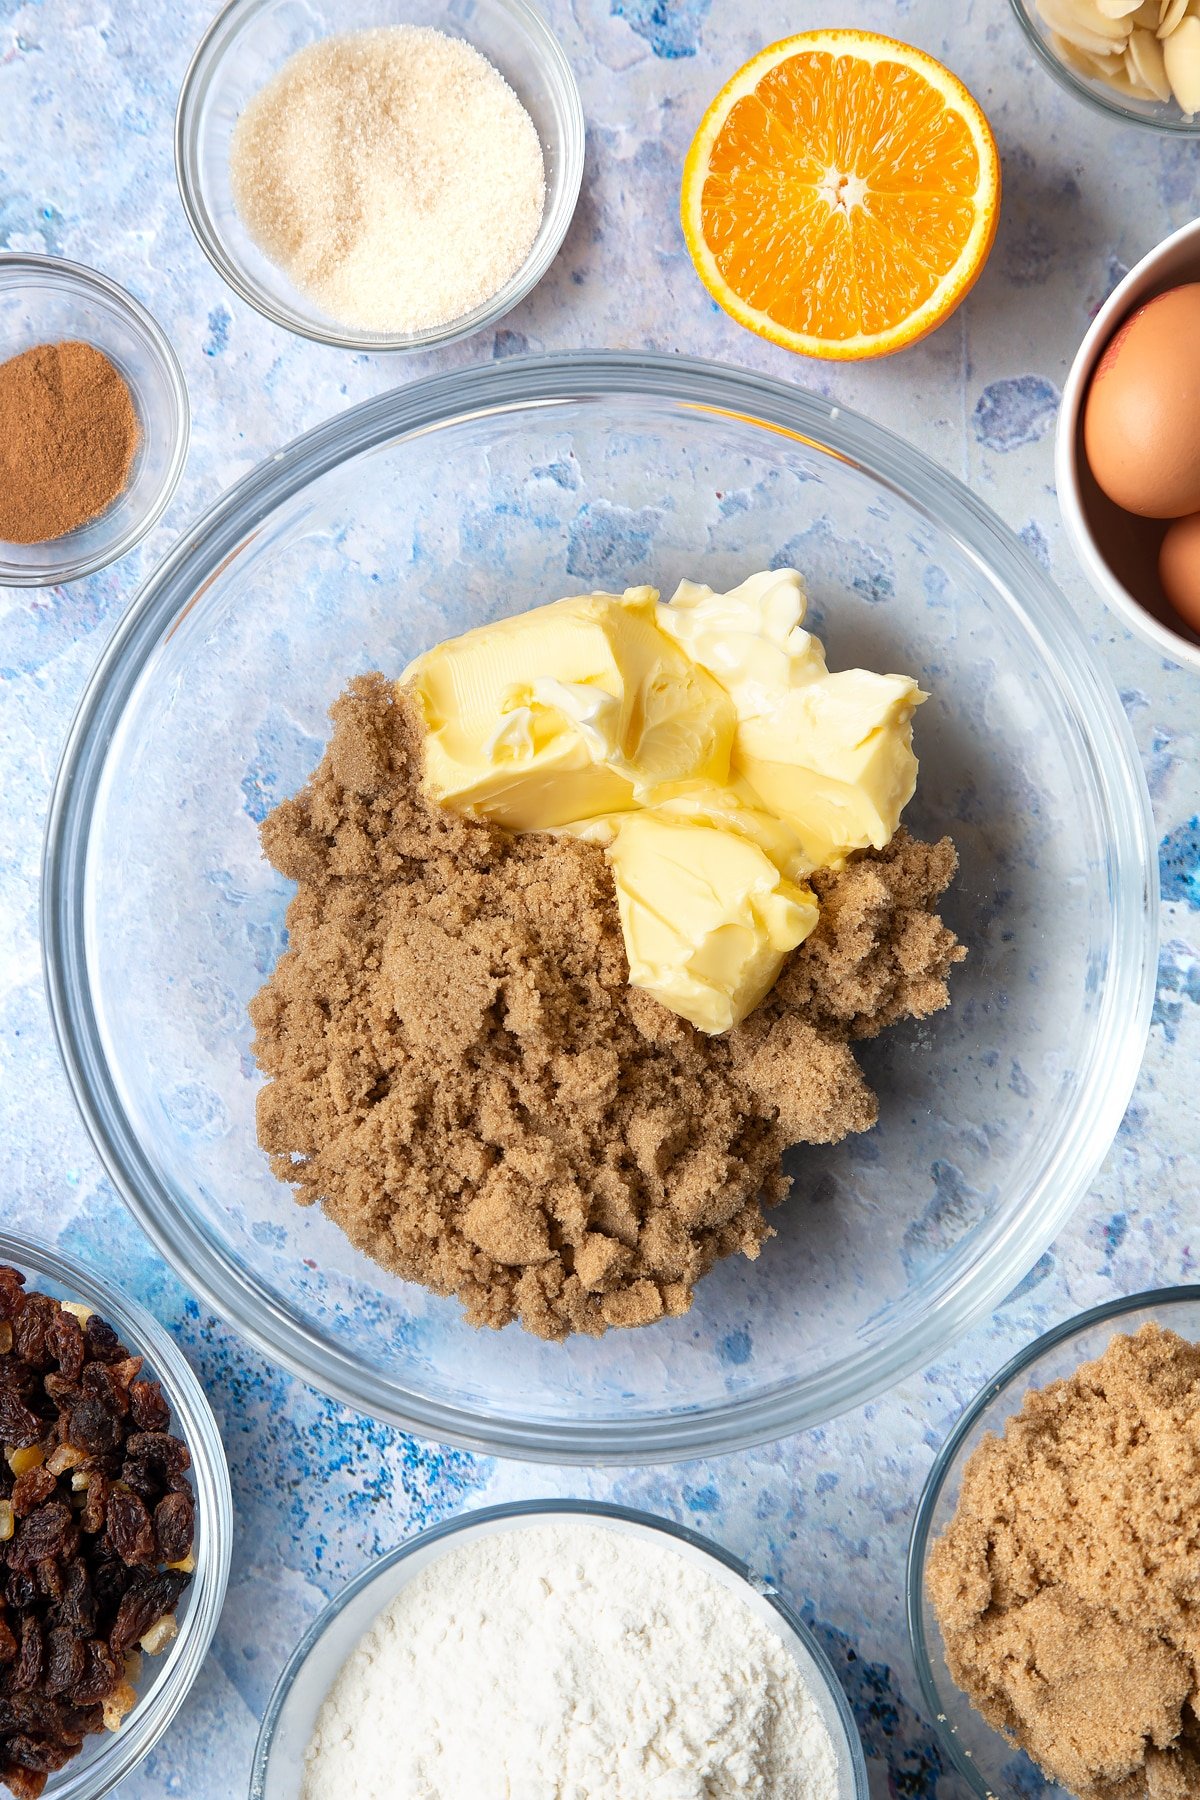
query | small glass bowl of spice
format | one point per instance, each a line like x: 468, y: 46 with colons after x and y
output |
x: 115, y: 1529
x: 93, y: 421
x: 380, y: 176
x: 1054, y: 1563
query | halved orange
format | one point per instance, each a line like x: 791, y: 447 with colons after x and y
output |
x: 841, y: 194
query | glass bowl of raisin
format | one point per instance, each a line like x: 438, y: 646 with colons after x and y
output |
x: 115, y: 1529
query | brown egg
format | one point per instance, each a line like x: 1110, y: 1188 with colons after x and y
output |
x: 1179, y: 568
x: 1141, y: 420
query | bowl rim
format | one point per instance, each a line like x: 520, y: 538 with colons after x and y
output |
x: 194, y: 1421
x: 1124, y: 297
x: 510, y: 1512
x: 1176, y: 125
x: 75, y: 277
x: 916, y: 1608
x: 1130, y: 849
x: 562, y: 195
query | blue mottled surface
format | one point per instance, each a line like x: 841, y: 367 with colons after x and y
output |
x: 87, y: 92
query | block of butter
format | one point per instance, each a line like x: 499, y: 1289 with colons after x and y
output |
x: 704, y: 744
x: 575, y: 709
x: 706, y: 916
x: 828, y: 755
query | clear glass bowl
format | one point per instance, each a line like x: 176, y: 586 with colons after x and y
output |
x: 246, y: 44
x: 293, y: 1707
x: 986, y: 1760
x: 471, y: 495
x: 108, y: 1757
x: 43, y: 300
x: 1159, y: 115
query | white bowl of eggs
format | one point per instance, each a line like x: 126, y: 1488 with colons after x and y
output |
x: 1127, y: 453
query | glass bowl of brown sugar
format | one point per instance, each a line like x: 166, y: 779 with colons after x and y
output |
x: 1055, y: 1439
x: 466, y: 497
x: 93, y: 421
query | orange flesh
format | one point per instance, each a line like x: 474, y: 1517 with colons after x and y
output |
x: 839, y: 194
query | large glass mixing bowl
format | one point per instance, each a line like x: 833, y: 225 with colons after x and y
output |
x: 479, y: 493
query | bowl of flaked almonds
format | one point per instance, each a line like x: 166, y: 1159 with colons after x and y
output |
x: 1136, y: 59
x: 115, y: 1529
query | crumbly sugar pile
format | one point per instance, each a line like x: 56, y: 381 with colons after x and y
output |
x: 1066, y: 1583
x: 392, y: 174
x: 586, y: 1663
x: 459, y: 1072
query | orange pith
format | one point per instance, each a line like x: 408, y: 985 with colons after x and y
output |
x: 841, y: 194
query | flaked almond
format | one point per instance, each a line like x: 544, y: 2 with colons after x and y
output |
x: 1171, y: 16
x: 1181, y: 57
x: 1145, y: 62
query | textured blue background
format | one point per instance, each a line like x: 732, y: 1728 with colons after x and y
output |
x: 87, y: 94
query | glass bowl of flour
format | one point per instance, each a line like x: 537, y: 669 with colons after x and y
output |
x: 585, y: 1648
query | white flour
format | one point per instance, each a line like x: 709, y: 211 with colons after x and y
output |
x: 569, y: 1662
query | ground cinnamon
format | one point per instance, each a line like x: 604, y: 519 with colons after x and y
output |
x: 68, y: 434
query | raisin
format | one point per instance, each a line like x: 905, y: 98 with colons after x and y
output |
x: 93, y: 1426
x: 48, y: 1575
x: 65, y: 1660
x: 12, y: 1291
x: 32, y: 1489
x: 66, y: 1344
x: 19, y: 1426
x: 150, y: 1410
x: 110, y: 1578
x: 103, y: 1382
x: 101, y: 1674
x: 95, y: 1507
x: 148, y: 1598
x: 8, y: 1643
x: 17, y: 1377
x: 49, y: 1531
x: 21, y: 1782
x: 20, y: 1589
x: 60, y: 1390
x: 31, y: 1330
x: 154, y: 1463
x: 42, y: 1754
x: 175, y: 1527
x: 101, y: 1341
x: 130, y: 1529
x: 76, y: 1607
x: 31, y: 1656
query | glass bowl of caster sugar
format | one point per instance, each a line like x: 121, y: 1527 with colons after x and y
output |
x: 380, y: 177
x: 559, y: 1648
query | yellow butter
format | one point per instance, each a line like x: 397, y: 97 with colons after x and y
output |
x: 576, y: 709
x: 734, y: 807
x: 752, y: 639
x: 830, y: 756
x: 834, y: 760
x: 704, y: 744
x: 706, y: 916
